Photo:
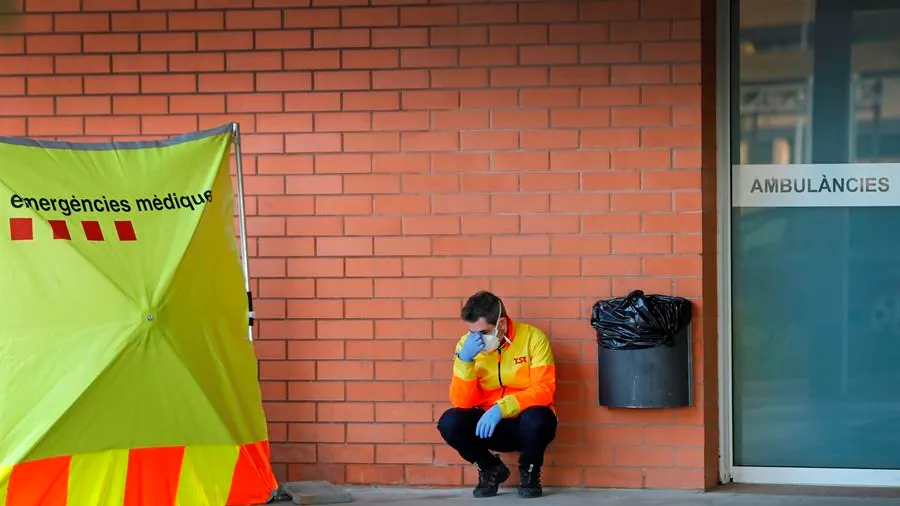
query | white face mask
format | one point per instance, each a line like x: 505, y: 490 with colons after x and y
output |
x: 493, y: 340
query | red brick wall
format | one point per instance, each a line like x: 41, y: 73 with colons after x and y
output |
x: 398, y: 158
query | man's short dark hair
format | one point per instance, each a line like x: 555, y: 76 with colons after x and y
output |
x: 482, y: 304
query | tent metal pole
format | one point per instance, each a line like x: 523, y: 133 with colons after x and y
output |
x: 242, y: 215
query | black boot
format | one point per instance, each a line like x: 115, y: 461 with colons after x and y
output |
x: 489, y: 479
x: 530, y: 481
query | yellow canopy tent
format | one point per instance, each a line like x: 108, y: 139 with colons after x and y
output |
x: 127, y: 372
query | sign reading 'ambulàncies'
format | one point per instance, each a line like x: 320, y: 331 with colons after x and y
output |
x: 816, y: 185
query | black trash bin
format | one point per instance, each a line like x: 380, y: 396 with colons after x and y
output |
x: 644, y: 351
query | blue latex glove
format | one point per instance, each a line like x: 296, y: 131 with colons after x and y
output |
x: 488, y: 422
x: 473, y: 346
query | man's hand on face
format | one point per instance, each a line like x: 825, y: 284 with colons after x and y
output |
x: 473, y: 346
x: 488, y: 422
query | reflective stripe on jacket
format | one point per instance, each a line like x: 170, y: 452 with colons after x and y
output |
x: 519, y: 375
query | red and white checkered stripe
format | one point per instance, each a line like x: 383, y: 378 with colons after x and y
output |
x: 22, y: 229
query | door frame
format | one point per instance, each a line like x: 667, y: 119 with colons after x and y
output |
x: 726, y: 17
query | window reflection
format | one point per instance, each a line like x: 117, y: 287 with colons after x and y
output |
x: 877, y: 111
x: 775, y: 45
x: 876, y: 87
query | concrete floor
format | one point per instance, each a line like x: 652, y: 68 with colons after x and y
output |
x: 577, y: 497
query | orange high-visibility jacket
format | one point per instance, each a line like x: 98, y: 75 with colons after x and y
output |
x: 517, y: 376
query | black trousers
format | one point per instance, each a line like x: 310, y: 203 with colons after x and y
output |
x: 530, y: 434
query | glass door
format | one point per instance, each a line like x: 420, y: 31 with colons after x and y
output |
x: 815, y: 242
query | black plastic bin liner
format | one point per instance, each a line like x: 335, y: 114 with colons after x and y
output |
x: 639, y: 321
x: 643, y: 351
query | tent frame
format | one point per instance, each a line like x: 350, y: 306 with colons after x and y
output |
x: 242, y: 225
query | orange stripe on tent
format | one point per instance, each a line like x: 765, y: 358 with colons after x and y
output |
x: 253, y: 481
x: 153, y: 475
x: 39, y: 483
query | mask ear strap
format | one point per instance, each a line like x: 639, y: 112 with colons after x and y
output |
x: 497, y: 326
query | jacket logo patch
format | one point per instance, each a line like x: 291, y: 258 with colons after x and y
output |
x: 520, y: 360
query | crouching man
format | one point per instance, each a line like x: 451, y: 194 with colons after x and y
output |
x: 504, y: 382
